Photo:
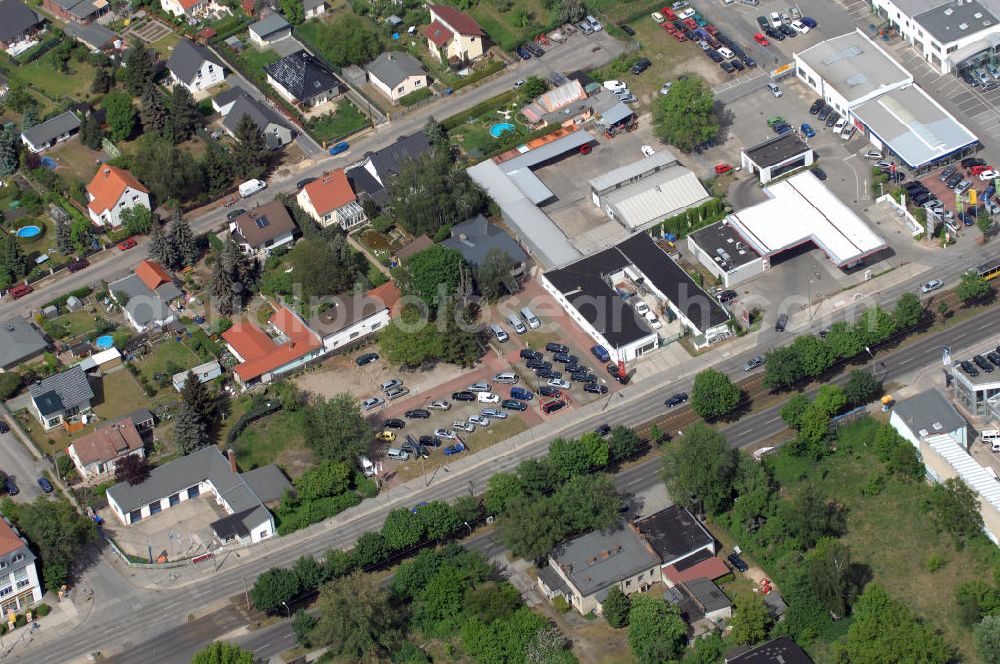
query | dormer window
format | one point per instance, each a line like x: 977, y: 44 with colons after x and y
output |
x: 3, y: 564
x: 18, y: 557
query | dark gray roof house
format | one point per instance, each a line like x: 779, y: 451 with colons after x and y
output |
x: 16, y: 22
x: 372, y: 175
x: 234, y: 103
x: 59, y: 397
x: 146, y: 304
x: 50, y: 132
x: 781, y: 650
x: 93, y: 35
x: 187, y: 58
x: 394, y: 67
x: 476, y: 237
x: 303, y: 78
x: 20, y: 341
x: 270, y: 29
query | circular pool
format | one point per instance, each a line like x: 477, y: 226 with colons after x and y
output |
x: 104, y: 342
x: 500, y: 128
x: 28, y: 231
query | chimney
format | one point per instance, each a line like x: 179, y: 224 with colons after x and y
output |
x: 232, y: 459
x: 107, y: 172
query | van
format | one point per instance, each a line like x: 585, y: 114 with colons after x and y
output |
x: 775, y: 90
x: 516, y: 323
x: 529, y: 316
x: 750, y: 3
x: 398, y: 454
x: 396, y: 392
x: 251, y: 187
x: 726, y: 53
x: 367, y: 467
x: 505, y: 378
x: 499, y: 333
x: 595, y: 25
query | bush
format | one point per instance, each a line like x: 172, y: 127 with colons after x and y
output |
x: 364, y: 486
x: 43, y: 610
x: 10, y: 382
x: 415, y: 97
x: 560, y: 604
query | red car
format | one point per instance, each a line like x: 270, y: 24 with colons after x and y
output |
x: 711, y: 29
x: 761, y: 39
x: 691, y: 23
x: 553, y: 406
x: 125, y: 245
x: 976, y: 170
x: 722, y: 169
x: 20, y: 290
x: 680, y: 36
x: 669, y: 14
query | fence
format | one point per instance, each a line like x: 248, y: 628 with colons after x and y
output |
x: 915, y: 226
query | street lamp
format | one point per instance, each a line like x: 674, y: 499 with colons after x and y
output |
x: 289, y: 611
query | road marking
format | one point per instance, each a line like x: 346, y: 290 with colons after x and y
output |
x: 964, y: 334
x: 746, y: 432
x: 261, y: 647
x: 904, y: 361
x: 773, y: 419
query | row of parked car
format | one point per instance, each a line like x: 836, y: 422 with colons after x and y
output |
x: 987, y: 363
x: 685, y: 24
x: 984, y: 78
x: 826, y: 113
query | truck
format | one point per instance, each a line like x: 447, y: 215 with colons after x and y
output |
x: 251, y: 187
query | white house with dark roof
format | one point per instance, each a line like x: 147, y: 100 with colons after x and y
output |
x: 145, y: 296
x: 54, y: 130
x: 195, y: 66
x: 263, y: 229
x: 19, y: 584
x: 303, y: 79
x: 235, y: 103
x: 396, y: 74
x: 64, y: 397
x: 270, y: 29
x: 20, y: 341
x: 313, y: 8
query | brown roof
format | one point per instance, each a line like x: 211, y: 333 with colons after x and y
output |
x: 9, y: 540
x: 710, y: 568
x: 108, y: 442
x: 438, y: 33
x: 351, y: 308
x: 330, y: 192
x: 418, y: 244
x: 260, y: 353
x: 152, y: 274
x: 456, y: 20
x: 267, y: 222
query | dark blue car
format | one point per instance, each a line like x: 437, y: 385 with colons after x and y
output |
x: 521, y: 394
x: 45, y: 484
x: 601, y: 353
x: 340, y: 147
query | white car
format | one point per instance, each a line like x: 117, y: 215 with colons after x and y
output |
x: 373, y: 403
x: 665, y: 88
x: 839, y: 127
x: 653, y: 321
x: 561, y: 383
x: 487, y: 397
x: 726, y: 53
x: 873, y: 154
x: 847, y: 132
x: 444, y: 433
x: 647, y: 150
x: 775, y: 18
x: 518, y: 83
x: 479, y: 420
x: 615, y: 86
x: 800, y: 27
x: 989, y: 175
x: 931, y: 286
x: 687, y: 12
x: 658, y: 17
x: 439, y: 405
x: 640, y: 307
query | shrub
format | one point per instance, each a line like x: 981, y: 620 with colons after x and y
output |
x: 364, y: 486
x: 935, y: 562
x: 560, y: 604
x: 43, y: 610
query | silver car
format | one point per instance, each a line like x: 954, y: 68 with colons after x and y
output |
x: 462, y: 425
x: 753, y: 363
x: 372, y: 404
x: 494, y: 414
x: 931, y: 286
x: 963, y: 186
x: 439, y: 405
x: 444, y: 433
x: 479, y: 420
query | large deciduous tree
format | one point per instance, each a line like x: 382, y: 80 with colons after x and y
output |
x: 432, y: 191
x: 656, y: 631
x: 434, y: 274
x: 955, y: 507
x: 972, y: 288
x: 133, y: 469
x: 275, y: 587
x: 222, y: 653
x: 356, y: 619
x: 908, y: 312
x: 714, y: 394
x: 987, y: 638
x: 57, y: 532
x: 121, y: 115
x: 493, y: 275
x: 751, y: 620
x: 686, y: 118
x: 699, y: 470
x: 336, y: 429
x: 348, y: 40
x: 832, y: 576
x: 885, y: 630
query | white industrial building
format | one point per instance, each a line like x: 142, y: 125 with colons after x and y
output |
x: 645, y: 192
x: 777, y: 156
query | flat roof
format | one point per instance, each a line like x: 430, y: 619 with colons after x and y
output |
x: 781, y: 650
x: 854, y: 65
x: 914, y: 125
x: 601, y: 558
x: 624, y: 174
x: 802, y: 209
x: 777, y: 150
x: 674, y: 532
x: 951, y: 21
x: 659, y: 196
x: 720, y: 241
x: 929, y: 413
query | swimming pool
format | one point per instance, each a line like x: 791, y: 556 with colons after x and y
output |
x: 104, y: 342
x: 49, y: 163
x: 500, y: 128
x: 29, y: 231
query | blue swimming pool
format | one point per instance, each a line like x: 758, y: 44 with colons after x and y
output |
x: 500, y: 128
x: 29, y: 231
x: 104, y: 342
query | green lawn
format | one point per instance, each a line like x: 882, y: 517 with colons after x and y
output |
x: 166, y: 44
x: 168, y: 357
x: 256, y: 60
x: 277, y: 438
x: 334, y: 126
x: 71, y: 325
x: 117, y: 394
x: 41, y: 75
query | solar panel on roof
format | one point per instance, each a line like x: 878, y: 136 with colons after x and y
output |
x: 262, y: 222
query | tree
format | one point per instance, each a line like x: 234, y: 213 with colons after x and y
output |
x: 191, y: 428
x: 578, y: 457
x: 133, y: 469
x: 181, y: 239
x: 239, y: 270
x: 956, y: 509
x: 984, y: 222
x: 91, y: 133
x: 218, y: 167
x: 9, y: 152
x: 356, y: 619
x: 168, y: 172
x: 571, y: 11
x: 972, y: 288
x: 64, y: 236
x: 861, y: 387
x: 138, y: 69
x: 699, y: 470
x: 435, y: 133
x: 616, y: 607
x: 13, y: 262
x: 56, y: 531
x: 309, y: 572
x: 154, y: 116
x: 533, y: 87
x: 250, y: 151
x: 493, y: 275
x: 302, y: 627
x: 222, y: 289
x: 433, y: 274
x: 349, y: 41
x: 293, y: 11
x: 832, y: 576
x: 184, y: 115
x: 273, y: 588
x: 686, y: 117
x: 401, y: 530
x: 410, y: 340
x: 782, y: 366
x: 623, y: 443
x: 30, y: 118
x: 714, y: 394
x: 325, y: 267
x: 502, y: 491
x: 908, y: 312
x: 987, y: 638
x: 810, y: 517
x: 327, y: 478
x: 751, y: 620
x: 705, y: 650
x: 431, y: 192
x: 102, y: 82
x: 656, y: 631
x: 814, y: 356
x: 223, y: 653
x: 336, y: 430
x: 885, y: 630
x: 794, y: 409
x: 137, y: 220
x: 121, y: 115
x: 755, y: 490
x: 844, y: 340
x: 160, y: 250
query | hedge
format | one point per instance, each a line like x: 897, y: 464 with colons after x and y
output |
x: 492, y: 67
x: 60, y: 301
x: 482, y: 107
x: 415, y: 97
x: 250, y: 417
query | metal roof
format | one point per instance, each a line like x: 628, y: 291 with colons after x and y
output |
x: 624, y: 174
x: 914, y: 126
x: 615, y: 114
x: 974, y: 475
x: 854, y: 65
x: 660, y: 196
x: 550, y: 150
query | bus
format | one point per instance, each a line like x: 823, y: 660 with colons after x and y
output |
x: 988, y: 271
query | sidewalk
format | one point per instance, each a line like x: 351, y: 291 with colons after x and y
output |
x: 64, y: 616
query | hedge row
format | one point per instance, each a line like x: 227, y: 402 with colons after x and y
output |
x: 250, y: 417
x: 482, y: 107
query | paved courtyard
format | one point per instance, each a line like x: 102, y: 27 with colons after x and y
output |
x: 182, y: 531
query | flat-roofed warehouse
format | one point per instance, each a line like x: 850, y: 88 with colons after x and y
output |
x: 777, y: 156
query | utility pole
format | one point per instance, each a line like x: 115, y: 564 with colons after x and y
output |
x: 246, y: 593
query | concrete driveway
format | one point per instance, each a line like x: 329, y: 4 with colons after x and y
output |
x: 19, y: 464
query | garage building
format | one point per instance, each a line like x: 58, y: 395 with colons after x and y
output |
x: 777, y: 156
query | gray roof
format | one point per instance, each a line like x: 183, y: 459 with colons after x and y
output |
x: 915, y: 7
x: 929, y: 413
x: 708, y: 595
x: 477, y: 236
x: 69, y: 389
x: 19, y: 341
x: 268, y: 482
x: 673, y: 532
x: 551, y: 578
x: 228, y: 96
x: 394, y: 67
x: 77, y: 8
x: 775, y: 150
x: 664, y: 194
x: 615, y: 114
x: 16, y: 19
x: 854, y: 65
x: 781, y: 650
x: 303, y: 75
x: 144, y: 305
x: 205, y: 464
x: 94, y: 34
x: 187, y: 58
x: 386, y: 163
x: 660, y: 160
x: 269, y: 25
x: 51, y: 129
x: 914, y: 126
x: 312, y: 4
x: 952, y: 21
x: 600, y: 559
x: 261, y: 114
x: 721, y: 235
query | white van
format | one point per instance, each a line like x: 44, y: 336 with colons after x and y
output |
x: 506, y: 378
x: 530, y: 318
x: 499, y: 333
x: 595, y: 25
x: 487, y: 397
x: 726, y: 53
x: 516, y: 323
x: 398, y: 454
x: 251, y: 187
x: 367, y: 467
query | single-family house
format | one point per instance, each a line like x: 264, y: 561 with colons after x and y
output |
x: 313, y: 8
x: 412, y: 248
x: 95, y: 36
x: 202, y: 373
x: 195, y: 66
x: 303, y: 79
x: 396, y: 74
x: 372, y: 175
x: 684, y: 545
x: 261, y: 357
x: 184, y: 7
x: 453, y: 36
x: 18, y: 26
x: 20, y: 342
x: 243, y: 496
x: 96, y: 454
x: 111, y: 191
x: 354, y: 316
x: 270, y: 29
x: 145, y: 296
x: 62, y: 398
x: 477, y: 237
x: 263, y: 228
x: 235, y: 103
x: 54, y: 130
x: 19, y: 585
x: 331, y: 200
x: 781, y: 650
x: 586, y: 568
x: 75, y: 11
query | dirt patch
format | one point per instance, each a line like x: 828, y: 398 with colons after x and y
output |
x: 340, y: 374
x: 593, y: 641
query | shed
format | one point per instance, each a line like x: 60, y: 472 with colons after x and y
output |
x: 73, y: 303
x: 51, y: 311
x: 203, y: 372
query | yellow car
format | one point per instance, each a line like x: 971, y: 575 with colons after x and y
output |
x: 385, y: 436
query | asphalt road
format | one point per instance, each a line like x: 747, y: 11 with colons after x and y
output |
x: 18, y: 463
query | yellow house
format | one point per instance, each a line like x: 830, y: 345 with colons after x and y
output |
x: 453, y: 36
